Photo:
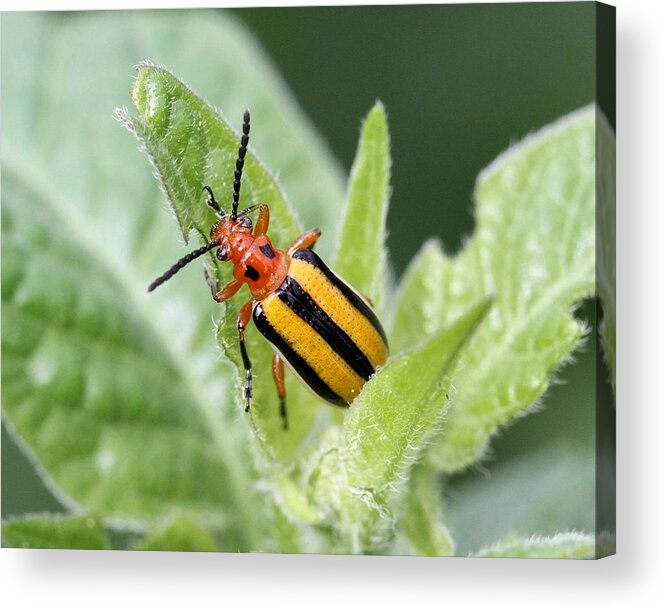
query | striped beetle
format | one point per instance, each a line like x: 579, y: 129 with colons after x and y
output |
x: 326, y: 332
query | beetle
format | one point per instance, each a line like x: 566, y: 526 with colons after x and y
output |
x: 317, y: 323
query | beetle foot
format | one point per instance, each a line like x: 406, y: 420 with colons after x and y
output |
x: 247, y: 390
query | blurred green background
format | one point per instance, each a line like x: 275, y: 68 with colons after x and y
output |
x: 460, y: 83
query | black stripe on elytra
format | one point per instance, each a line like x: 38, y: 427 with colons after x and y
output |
x: 302, y: 304
x: 304, y: 370
x: 350, y: 294
x: 268, y: 252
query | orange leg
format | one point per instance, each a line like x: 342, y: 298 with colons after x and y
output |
x: 278, y: 377
x: 243, y: 320
x: 229, y: 290
x: 262, y: 222
x: 305, y: 240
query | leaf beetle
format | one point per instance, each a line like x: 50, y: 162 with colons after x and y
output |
x: 317, y: 323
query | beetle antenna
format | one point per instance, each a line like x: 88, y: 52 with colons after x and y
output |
x: 212, y: 202
x: 182, y: 262
x: 244, y: 141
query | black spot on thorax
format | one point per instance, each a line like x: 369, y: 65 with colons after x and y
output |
x: 251, y: 273
x: 268, y: 252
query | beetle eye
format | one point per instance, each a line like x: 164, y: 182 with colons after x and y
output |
x: 246, y: 222
x: 222, y: 254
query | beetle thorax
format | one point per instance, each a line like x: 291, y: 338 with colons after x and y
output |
x: 262, y: 267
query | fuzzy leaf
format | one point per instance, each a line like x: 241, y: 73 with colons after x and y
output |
x: 534, y: 250
x: 386, y: 428
x: 55, y: 532
x: 420, y: 305
x: 119, y: 398
x: 563, y: 545
x: 399, y: 407
x: 361, y: 257
x: 94, y: 383
x: 420, y: 520
x: 181, y: 535
x: 190, y: 144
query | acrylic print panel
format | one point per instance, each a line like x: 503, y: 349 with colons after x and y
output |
x: 459, y: 162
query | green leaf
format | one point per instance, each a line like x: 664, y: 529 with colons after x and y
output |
x: 563, y: 545
x: 422, y: 298
x: 534, y: 250
x: 118, y: 397
x: 55, y: 532
x: 361, y: 257
x: 386, y: 429
x: 391, y: 419
x: 93, y: 383
x: 606, y: 238
x: 180, y: 535
x: 190, y: 144
x: 420, y: 519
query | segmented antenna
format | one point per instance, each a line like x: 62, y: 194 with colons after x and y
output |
x: 244, y: 140
x: 182, y: 262
x: 212, y: 202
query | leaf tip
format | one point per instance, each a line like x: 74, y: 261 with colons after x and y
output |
x: 378, y: 107
x: 121, y: 114
x: 377, y: 116
x: 483, y: 307
x: 143, y: 64
x: 152, y: 94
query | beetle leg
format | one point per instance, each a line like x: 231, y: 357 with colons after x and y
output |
x: 261, y: 227
x: 243, y: 320
x: 226, y: 292
x: 262, y: 222
x: 278, y: 377
x: 305, y: 240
